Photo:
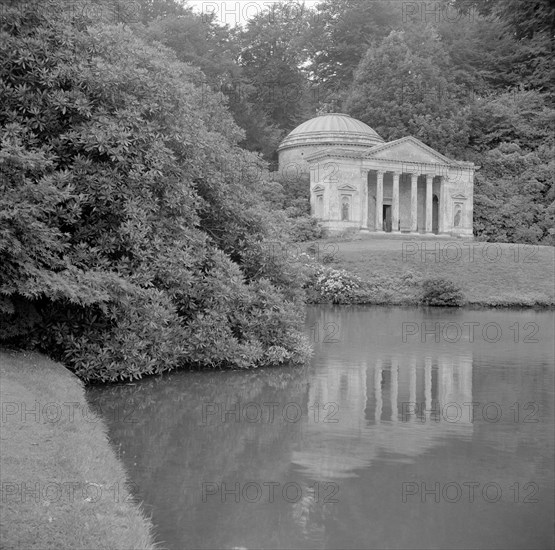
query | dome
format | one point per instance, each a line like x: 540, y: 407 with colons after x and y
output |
x: 332, y: 129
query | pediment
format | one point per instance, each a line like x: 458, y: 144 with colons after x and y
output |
x: 347, y: 187
x: 318, y: 188
x: 459, y: 197
x: 409, y: 150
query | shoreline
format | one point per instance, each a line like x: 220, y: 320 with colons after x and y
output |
x: 62, y: 483
x: 391, y: 271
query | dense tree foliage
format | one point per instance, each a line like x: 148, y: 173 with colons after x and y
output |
x: 271, y: 58
x: 338, y: 37
x: 403, y: 86
x: 131, y: 226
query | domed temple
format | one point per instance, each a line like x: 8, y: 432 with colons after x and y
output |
x: 359, y: 181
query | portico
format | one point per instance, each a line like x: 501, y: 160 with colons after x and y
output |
x: 391, y: 199
x: 398, y: 187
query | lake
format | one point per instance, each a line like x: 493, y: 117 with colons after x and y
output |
x: 410, y: 428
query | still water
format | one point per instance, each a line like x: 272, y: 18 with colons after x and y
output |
x: 411, y: 428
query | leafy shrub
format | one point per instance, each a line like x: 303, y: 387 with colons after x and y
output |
x: 336, y: 286
x: 441, y: 292
x: 305, y: 228
x: 130, y: 230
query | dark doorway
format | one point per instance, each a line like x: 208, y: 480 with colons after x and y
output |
x: 387, y: 218
x: 435, y: 215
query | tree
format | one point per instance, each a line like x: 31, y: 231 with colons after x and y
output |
x: 512, y: 138
x: 215, y: 49
x: 339, y: 35
x: 272, y: 57
x: 130, y: 224
x: 403, y: 86
x: 524, y: 45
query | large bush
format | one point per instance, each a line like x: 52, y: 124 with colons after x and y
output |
x: 441, y: 292
x: 130, y: 222
x: 335, y: 286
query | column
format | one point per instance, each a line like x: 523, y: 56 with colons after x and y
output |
x: 379, y: 201
x: 364, y: 199
x: 395, y: 204
x: 413, y: 203
x: 441, y: 206
x: 429, y: 202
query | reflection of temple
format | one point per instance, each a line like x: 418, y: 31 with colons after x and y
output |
x: 389, y: 407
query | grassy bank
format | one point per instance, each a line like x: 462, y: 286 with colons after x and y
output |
x: 62, y: 485
x: 489, y: 274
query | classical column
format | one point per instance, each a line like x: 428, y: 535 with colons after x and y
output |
x: 379, y: 200
x: 441, y: 205
x: 429, y: 202
x: 364, y: 199
x: 413, y: 203
x: 395, y: 204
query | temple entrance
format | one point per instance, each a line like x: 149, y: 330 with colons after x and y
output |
x: 435, y: 215
x: 387, y: 218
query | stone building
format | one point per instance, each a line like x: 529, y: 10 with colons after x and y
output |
x: 359, y: 181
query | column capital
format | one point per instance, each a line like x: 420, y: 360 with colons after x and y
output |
x: 381, y: 172
x: 364, y: 171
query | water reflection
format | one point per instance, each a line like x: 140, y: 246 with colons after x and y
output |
x: 372, y: 411
x: 401, y: 406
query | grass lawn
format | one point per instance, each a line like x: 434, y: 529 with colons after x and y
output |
x: 489, y: 274
x: 62, y: 485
